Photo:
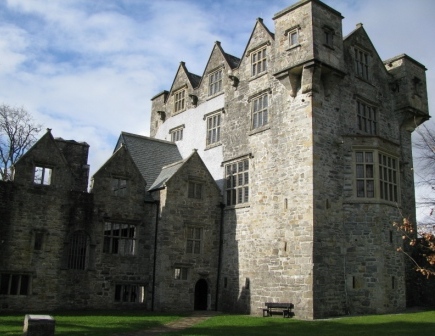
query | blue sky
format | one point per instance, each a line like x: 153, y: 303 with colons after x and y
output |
x: 88, y: 69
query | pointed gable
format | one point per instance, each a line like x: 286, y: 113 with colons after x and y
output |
x: 260, y: 36
x: 362, y: 56
x: 149, y: 154
x: 199, y: 171
x: 43, y: 158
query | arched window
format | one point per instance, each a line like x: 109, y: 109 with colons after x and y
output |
x: 78, y: 250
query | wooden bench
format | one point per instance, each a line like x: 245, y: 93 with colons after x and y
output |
x: 284, y: 307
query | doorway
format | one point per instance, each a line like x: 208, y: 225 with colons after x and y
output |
x: 201, y: 291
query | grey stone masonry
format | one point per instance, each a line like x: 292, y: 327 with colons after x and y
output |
x: 324, y: 127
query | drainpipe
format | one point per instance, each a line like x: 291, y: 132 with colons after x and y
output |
x: 157, y: 203
x: 221, y: 240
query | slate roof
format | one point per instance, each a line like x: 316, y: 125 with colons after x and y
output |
x: 194, y: 79
x: 165, y: 174
x: 233, y: 61
x: 150, y: 155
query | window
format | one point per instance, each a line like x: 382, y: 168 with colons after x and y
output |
x: 14, y: 284
x: 259, y: 111
x: 365, y: 183
x: 237, y: 182
x: 177, y: 134
x: 259, y: 61
x: 388, y: 178
x: 78, y: 249
x: 195, y: 190
x: 119, y: 187
x: 194, y: 236
x: 129, y: 293
x: 39, y: 237
x: 367, y: 118
x: 179, y: 100
x: 215, y: 82
x: 362, y: 64
x: 213, y: 129
x: 376, y: 178
x: 119, y: 238
x: 42, y: 175
x: 180, y: 273
x: 293, y: 38
x: 329, y: 36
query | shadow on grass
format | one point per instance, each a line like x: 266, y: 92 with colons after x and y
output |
x: 405, y: 324
x: 95, y: 323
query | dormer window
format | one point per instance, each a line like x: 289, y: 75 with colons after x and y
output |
x: 42, y: 175
x: 180, y: 100
x: 215, y: 82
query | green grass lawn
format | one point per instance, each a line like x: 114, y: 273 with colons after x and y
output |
x: 109, y: 322
x: 95, y: 323
x: 421, y: 323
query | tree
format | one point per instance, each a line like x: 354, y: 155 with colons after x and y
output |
x: 17, y: 134
x: 422, y: 243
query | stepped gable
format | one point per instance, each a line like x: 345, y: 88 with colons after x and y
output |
x: 150, y: 155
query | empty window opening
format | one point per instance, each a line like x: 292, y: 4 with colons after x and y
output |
x: 42, y: 176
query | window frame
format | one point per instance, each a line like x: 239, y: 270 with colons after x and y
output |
x: 215, y: 82
x: 260, y: 111
x: 362, y: 63
x: 46, y: 177
x: 176, y: 133
x: 78, y: 250
x: 119, y: 187
x: 259, y: 61
x: 17, y: 287
x: 119, y: 244
x: 384, y: 177
x: 180, y: 100
x: 213, y: 124
x: 237, y: 188
x: 181, y: 273
x: 195, y: 189
x: 367, y: 117
x: 194, y: 241
x: 123, y: 293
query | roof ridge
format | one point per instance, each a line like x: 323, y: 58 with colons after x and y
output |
x: 144, y: 137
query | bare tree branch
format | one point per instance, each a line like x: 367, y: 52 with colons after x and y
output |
x: 17, y: 134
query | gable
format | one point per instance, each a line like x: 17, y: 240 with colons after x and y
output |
x: 43, y: 154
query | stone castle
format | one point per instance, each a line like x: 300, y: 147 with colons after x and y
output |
x: 271, y: 177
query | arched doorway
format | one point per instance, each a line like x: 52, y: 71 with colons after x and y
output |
x: 201, y: 291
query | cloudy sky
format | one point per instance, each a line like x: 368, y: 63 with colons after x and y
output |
x: 88, y: 68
